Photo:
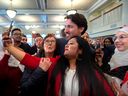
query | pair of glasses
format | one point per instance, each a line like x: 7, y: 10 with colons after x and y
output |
x: 121, y: 37
x: 49, y: 41
x: 17, y: 34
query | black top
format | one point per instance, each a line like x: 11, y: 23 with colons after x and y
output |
x: 26, y: 47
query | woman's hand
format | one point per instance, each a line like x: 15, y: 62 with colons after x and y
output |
x: 6, y: 41
x: 6, y: 52
x: 45, y: 63
x: 117, y: 88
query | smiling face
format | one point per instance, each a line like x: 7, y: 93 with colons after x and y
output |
x: 16, y: 35
x: 71, y: 29
x: 49, y: 45
x: 71, y: 49
x: 121, y: 41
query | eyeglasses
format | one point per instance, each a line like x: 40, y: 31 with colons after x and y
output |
x: 49, y: 42
x: 121, y: 37
x: 17, y: 34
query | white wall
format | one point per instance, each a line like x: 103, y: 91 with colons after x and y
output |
x: 125, y: 12
x: 109, y: 19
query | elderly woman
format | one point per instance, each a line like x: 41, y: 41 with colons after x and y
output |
x: 28, y: 86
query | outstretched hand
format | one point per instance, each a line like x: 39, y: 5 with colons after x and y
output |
x: 6, y: 41
x: 45, y: 63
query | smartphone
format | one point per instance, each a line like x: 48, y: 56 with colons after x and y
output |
x: 10, y: 28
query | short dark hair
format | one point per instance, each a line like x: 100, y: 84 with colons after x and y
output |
x: 15, y: 30
x: 79, y: 20
x: 38, y: 35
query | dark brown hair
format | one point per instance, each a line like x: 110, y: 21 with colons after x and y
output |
x: 79, y: 20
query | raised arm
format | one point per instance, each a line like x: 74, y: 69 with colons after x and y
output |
x: 25, y: 59
x: 29, y: 61
x: 17, y: 53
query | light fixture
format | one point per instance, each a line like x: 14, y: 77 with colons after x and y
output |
x: 71, y: 11
x: 31, y: 26
x: 11, y: 12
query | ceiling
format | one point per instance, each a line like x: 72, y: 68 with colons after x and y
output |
x: 44, y: 16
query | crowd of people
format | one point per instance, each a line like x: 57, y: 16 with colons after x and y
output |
x: 68, y: 66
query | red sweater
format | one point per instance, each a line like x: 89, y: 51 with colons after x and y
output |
x: 125, y: 77
x: 33, y: 62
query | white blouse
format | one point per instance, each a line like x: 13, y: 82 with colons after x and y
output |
x: 71, y: 83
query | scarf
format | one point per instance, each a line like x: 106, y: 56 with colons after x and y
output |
x: 120, y: 58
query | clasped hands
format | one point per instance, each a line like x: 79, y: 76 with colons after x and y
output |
x: 45, y: 64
